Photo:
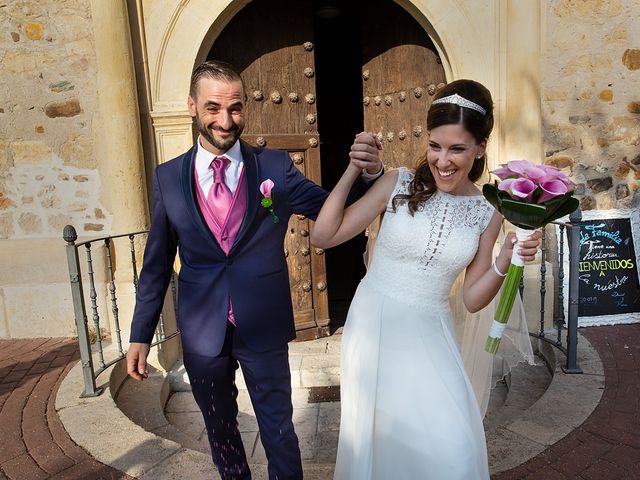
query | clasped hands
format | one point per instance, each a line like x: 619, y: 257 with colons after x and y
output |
x: 364, y: 154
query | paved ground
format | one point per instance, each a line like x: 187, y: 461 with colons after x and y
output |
x: 34, y: 444
x: 607, y: 445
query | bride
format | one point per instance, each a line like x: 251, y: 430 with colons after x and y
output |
x: 408, y: 408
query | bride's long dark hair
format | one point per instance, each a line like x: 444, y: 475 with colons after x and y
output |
x: 423, y: 185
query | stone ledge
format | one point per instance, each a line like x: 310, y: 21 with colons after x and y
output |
x: 565, y: 405
x: 101, y: 428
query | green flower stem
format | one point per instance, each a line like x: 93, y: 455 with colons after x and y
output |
x: 274, y: 217
x: 509, y: 292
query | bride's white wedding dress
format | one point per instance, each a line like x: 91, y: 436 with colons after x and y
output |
x: 408, y: 408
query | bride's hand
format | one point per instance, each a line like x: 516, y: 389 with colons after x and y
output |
x: 364, y: 153
x: 526, y: 249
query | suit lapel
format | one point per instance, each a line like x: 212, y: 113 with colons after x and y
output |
x: 251, y: 175
x: 187, y: 181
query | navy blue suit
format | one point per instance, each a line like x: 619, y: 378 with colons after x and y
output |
x: 255, y: 276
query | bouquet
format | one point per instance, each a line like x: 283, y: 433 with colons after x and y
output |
x: 529, y: 196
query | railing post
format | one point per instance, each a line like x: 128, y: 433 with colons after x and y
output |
x: 70, y: 236
x: 574, y: 280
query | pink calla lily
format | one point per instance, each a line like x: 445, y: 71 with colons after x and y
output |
x: 552, y: 189
x: 504, y: 173
x: 265, y: 188
x: 520, y: 188
x: 523, y: 168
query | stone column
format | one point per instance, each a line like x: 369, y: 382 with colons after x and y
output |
x: 522, y: 123
x: 118, y: 144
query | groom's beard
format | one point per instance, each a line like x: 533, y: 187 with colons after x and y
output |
x: 222, y: 144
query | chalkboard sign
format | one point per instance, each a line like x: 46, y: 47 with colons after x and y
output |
x: 609, y: 267
x: 609, y: 283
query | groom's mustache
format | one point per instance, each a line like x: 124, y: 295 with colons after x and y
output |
x: 218, y: 128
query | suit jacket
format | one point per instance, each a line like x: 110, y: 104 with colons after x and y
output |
x: 254, y: 274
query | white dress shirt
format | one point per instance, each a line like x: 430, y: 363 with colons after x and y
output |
x: 231, y: 173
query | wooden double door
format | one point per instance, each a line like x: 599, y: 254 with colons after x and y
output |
x: 316, y: 73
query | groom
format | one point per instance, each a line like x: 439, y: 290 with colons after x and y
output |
x: 234, y: 301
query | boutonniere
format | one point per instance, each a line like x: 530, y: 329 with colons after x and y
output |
x: 267, y: 201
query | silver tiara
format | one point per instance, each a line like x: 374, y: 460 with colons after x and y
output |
x: 463, y: 102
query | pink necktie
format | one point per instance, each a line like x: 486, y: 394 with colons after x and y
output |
x: 220, y: 200
x: 219, y: 197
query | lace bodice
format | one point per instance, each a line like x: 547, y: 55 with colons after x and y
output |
x: 417, y: 258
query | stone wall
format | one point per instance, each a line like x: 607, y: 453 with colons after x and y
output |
x: 591, y: 98
x: 48, y: 172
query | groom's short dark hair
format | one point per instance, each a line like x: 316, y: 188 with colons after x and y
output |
x: 216, y: 70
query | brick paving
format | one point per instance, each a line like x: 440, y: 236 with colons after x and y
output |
x: 33, y: 442
x: 607, y: 445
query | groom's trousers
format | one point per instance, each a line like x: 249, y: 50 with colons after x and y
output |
x: 268, y: 379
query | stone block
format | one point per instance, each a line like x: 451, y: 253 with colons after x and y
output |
x: 588, y: 64
x: 560, y: 137
x: 5, y: 202
x: 320, y: 371
x: 68, y: 108
x: 579, y: 119
x: 591, y: 9
x: 30, y: 223
x: 618, y: 34
x: 6, y: 225
x: 306, y: 420
x: 623, y: 129
x: 633, y: 107
x: 561, y: 162
x: 605, y: 201
x: 5, y: 161
x: 183, y: 465
x: 61, y: 86
x: 30, y: 151
x: 622, y: 170
x: 58, y: 221
x: 597, y: 185
x: 189, y: 423
x: 180, y: 402
x: 93, y: 227
x: 329, y: 417
x: 622, y: 191
x: 631, y: 58
x: 606, y: 95
x: 33, y: 30
x: 18, y: 61
x: 587, y: 203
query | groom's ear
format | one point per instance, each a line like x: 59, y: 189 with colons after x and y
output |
x: 191, y: 105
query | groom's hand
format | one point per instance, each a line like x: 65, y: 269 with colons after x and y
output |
x: 364, y: 153
x: 137, y: 360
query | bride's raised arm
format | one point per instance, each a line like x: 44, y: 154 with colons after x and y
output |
x: 335, y: 224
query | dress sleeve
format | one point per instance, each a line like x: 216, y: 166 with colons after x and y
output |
x: 488, y: 211
x: 402, y: 186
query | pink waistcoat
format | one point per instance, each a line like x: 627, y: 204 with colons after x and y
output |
x: 226, y: 233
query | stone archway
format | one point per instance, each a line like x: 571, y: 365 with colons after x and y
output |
x: 499, y: 46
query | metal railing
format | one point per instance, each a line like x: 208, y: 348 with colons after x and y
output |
x: 90, y: 373
x: 571, y: 324
x: 106, y: 247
